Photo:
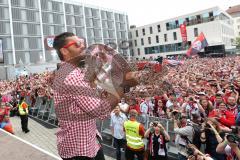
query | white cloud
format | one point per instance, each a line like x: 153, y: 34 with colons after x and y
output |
x: 150, y: 11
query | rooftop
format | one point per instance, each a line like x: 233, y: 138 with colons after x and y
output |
x: 233, y: 9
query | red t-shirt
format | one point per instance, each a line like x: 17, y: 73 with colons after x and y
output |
x: 136, y: 107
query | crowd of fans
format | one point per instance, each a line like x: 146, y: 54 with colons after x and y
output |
x: 201, y: 97
x: 31, y: 86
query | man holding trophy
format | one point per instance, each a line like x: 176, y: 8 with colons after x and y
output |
x: 82, y: 95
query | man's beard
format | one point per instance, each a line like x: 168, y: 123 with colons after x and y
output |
x: 78, y: 61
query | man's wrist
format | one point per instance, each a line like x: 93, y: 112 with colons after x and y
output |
x: 225, y: 143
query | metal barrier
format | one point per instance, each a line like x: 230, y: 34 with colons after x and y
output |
x: 167, y: 124
x: 44, y: 110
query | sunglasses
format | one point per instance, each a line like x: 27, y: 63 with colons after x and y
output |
x: 76, y: 43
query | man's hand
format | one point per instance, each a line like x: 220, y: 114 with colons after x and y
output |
x: 161, y: 127
x: 151, y: 124
x: 131, y: 79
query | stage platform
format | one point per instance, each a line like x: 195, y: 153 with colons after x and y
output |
x: 15, y: 148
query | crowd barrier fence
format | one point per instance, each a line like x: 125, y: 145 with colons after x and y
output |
x: 43, y: 110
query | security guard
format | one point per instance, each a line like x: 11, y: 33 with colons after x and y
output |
x: 134, y: 135
x: 23, y: 112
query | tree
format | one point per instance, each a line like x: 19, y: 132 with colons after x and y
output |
x: 238, y: 42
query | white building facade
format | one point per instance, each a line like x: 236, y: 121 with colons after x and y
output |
x: 164, y: 38
x: 25, y: 24
x: 234, y: 11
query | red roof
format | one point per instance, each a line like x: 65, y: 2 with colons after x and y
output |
x: 233, y: 9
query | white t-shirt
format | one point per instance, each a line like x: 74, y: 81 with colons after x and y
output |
x: 146, y: 106
x: 169, y: 104
x: 117, y: 123
x: 123, y: 106
x: 192, y: 109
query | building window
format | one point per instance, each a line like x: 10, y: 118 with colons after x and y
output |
x: 167, y: 26
x: 165, y: 37
x: 136, y: 33
x: 130, y: 35
x: 151, y: 30
x: 187, y: 21
x: 143, y: 32
x: 211, y: 17
x: 135, y: 42
x: 195, y: 32
x: 159, y: 28
x: 176, y: 23
x: 238, y: 27
x: 157, y: 39
x: 174, y: 35
x: 142, y: 42
x: 138, y: 50
x: 199, y: 19
x: 132, y: 52
x: 149, y: 40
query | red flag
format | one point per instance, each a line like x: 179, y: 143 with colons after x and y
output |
x: 199, y: 43
x: 183, y: 30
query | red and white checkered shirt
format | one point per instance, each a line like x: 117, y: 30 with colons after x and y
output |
x: 77, y: 107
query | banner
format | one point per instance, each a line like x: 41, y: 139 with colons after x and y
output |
x: 197, y: 45
x: 1, y: 52
x: 154, y: 65
x: 48, y: 41
x: 183, y: 30
x: 173, y: 62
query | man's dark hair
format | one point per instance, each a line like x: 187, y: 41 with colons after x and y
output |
x: 60, y: 41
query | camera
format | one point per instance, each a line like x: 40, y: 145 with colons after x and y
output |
x: 155, y: 124
x: 233, y: 136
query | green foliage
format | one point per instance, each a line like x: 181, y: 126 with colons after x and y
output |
x: 238, y: 42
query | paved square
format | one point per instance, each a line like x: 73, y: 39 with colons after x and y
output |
x: 39, y: 135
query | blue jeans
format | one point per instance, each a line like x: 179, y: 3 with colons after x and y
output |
x: 181, y: 157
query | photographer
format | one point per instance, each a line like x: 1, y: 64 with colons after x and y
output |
x: 211, y: 137
x: 184, y: 135
x: 230, y: 146
x: 157, y: 137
